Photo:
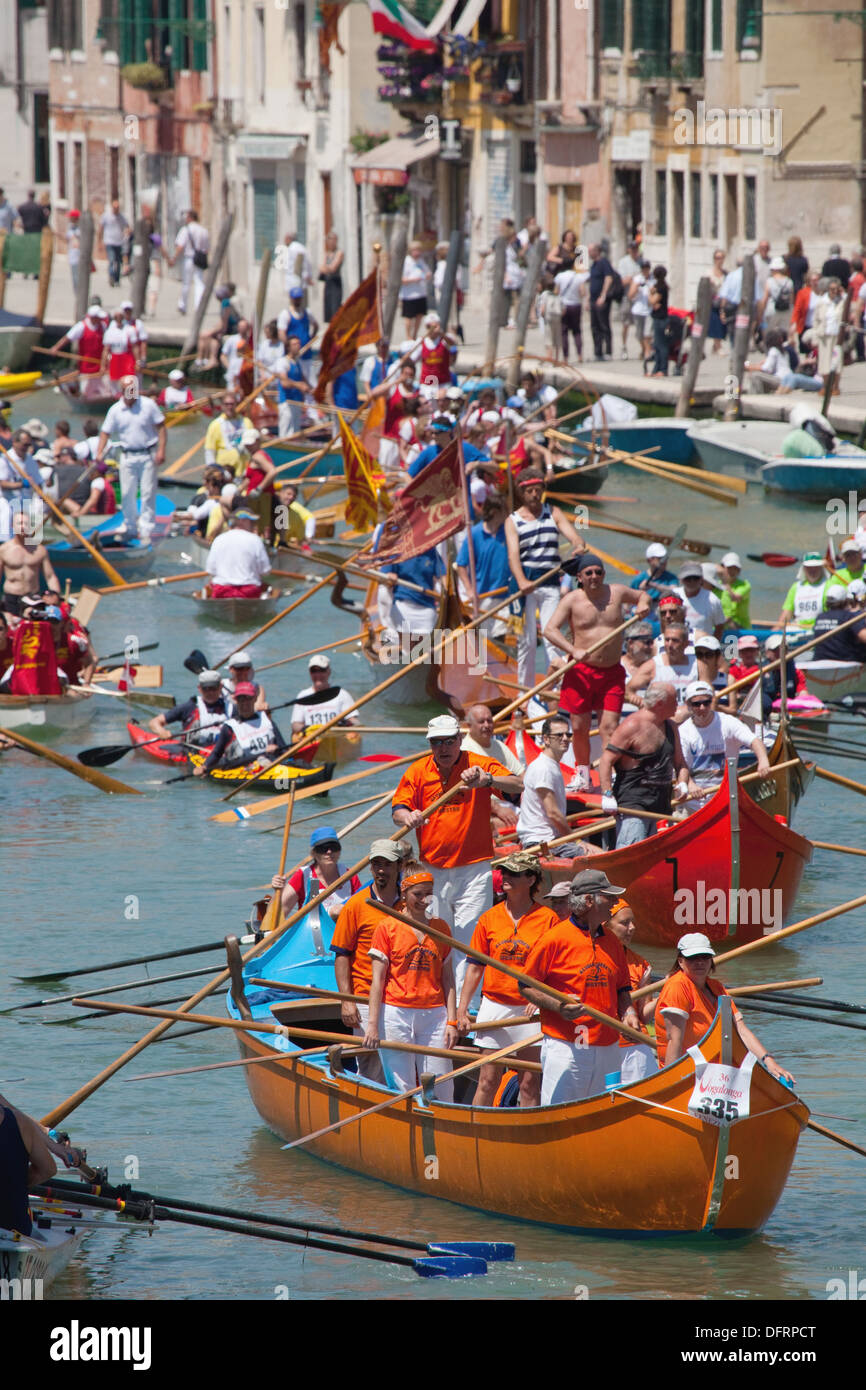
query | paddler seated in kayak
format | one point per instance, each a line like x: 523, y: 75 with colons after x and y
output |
x: 507, y: 932
x: 241, y: 669
x: 245, y: 738
x: 238, y: 561
x: 708, y: 736
x: 688, y: 1002
x: 309, y: 882
x: 413, y: 987
x: 805, y: 598
x: 637, y: 1059
x: 24, y: 562
x: 849, y: 645
x: 25, y: 1162
x: 638, y: 765
x: 305, y: 716
x: 200, y: 717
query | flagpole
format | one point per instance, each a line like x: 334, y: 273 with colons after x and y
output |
x: 468, y: 512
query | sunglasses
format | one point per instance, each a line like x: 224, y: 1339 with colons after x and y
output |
x: 332, y: 847
x: 591, y: 570
x: 699, y: 704
x: 449, y: 738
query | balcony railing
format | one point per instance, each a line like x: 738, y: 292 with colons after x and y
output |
x: 668, y: 66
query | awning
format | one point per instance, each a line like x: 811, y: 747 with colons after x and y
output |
x: 389, y: 163
x: 270, y: 146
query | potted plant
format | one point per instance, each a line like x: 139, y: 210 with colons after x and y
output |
x: 147, y: 77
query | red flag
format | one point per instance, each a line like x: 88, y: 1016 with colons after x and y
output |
x: 356, y: 323
x: 427, y: 511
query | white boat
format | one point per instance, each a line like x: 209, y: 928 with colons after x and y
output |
x: 46, y: 713
x: 28, y: 1264
x: 751, y: 444
x: 832, y: 680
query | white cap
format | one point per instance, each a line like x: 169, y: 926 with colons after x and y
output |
x: 732, y: 558
x: 851, y: 544
x: 707, y: 643
x: 175, y: 375
x: 431, y: 317
x: 656, y: 551
x: 709, y: 570
x: 44, y: 456
x: 209, y: 678
x: 242, y: 658
x: 95, y: 311
x: 835, y: 593
x: 126, y: 304
x: 443, y: 726
x: 454, y: 393
x: 319, y: 662
x: 773, y: 642
x: 778, y: 263
x: 249, y: 438
x: 490, y: 417
x: 857, y: 589
x: 698, y: 688
x: 694, y: 943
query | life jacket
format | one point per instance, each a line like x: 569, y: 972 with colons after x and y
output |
x: 436, y: 361
x: 34, y: 659
x: 313, y: 885
x: 250, y: 735
x: 90, y: 349
x: 208, y: 720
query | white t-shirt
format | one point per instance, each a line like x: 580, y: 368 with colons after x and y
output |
x: 120, y: 337
x: 568, y: 285
x: 73, y: 246
x: 238, y: 557
x: 439, y: 277
x: 269, y: 353
x: 497, y: 750
x: 532, y: 824
x: 418, y: 276
x: 134, y: 425
x: 640, y: 305
x: 628, y: 267
x: 293, y: 281
x: 192, y: 237
x: 231, y: 351
x: 320, y: 714
x: 704, y: 612
x: 776, y: 363
x: 85, y: 449
x: 515, y: 274
x: 704, y: 750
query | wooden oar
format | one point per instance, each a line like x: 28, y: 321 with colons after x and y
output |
x: 519, y: 975
x: 87, y: 774
x: 741, y: 991
x: 274, y: 911
x: 795, y: 651
x: 722, y: 480
x: 313, y: 651
x: 716, y: 493
x: 154, y: 583
x: 841, y: 781
x: 248, y: 641
x: 398, y: 675
x: 236, y: 814
x: 838, y: 849
x: 484, y: 1059
x: 553, y: 676
x: 108, y: 570
x: 320, y: 558
x: 154, y: 1034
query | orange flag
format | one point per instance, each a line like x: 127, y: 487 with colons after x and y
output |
x: 358, y: 466
x: 356, y: 323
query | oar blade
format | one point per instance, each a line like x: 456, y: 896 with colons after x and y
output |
x: 774, y: 560
x: 196, y: 662
x: 491, y: 1250
x: 106, y: 755
x: 448, y: 1267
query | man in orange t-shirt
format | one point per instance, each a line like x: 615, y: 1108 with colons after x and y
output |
x: 578, y: 957
x: 456, y: 843
x: 350, y: 942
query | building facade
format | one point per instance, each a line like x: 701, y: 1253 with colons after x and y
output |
x: 24, y: 159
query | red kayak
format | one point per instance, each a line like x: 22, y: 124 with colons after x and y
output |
x: 163, y: 752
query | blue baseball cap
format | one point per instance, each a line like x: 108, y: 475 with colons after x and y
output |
x: 325, y: 834
x: 296, y: 293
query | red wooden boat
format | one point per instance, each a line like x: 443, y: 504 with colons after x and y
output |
x: 163, y: 752
x: 729, y: 870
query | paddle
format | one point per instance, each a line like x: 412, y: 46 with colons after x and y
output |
x: 72, y: 1102
x: 833, y: 1005
x: 313, y: 651
x: 109, y: 989
x: 274, y: 911
x: 235, y: 814
x: 774, y: 559
x: 764, y: 1008
x: 483, y: 1249
x: 129, y: 960
x: 774, y: 665
x: 485, y: 1058
x: 423, y: 659
x: 107, y: 753
x: 108, y: 570
x: 96, y: 779
x: 115, y: 656
x: 519, y: 975
x: 155, y: 583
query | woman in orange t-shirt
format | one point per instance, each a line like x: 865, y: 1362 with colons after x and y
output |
x: 507, y: 931
x: 638, y: 1059
x: 687, y: 1006
x: 413, y: 983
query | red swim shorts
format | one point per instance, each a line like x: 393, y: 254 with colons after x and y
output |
x: 586, y: 689
x: 236, y: 590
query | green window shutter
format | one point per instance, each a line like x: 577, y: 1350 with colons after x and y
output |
x: 750, y: 16
x: 695, y: 14
x: 178, y: 36
x: 200, y: 32
x: 651, y: 26
x: 717, y: 35
x: 613, y: 24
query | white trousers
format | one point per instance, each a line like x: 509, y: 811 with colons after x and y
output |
x: 572, y: 1072
x: 191, y: 274
x: 459, y: 897
x: 290, y: 416
x: 414, y: 617
x: 138, y: 473
x: 638, y: 1061
x: 425, y: 1027
x: 543, y: 602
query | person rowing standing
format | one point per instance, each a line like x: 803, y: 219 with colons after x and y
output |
x: 245, y: 737
x: 637, y: 771
x: 139, y: 424
x: 596, y: 682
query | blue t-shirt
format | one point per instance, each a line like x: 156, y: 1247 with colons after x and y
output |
x: 423, y: 570
x: 346, y: 391
x: 472, y: 455
x: 299, y: 326
x: 491, y: 559
x: 295, y: 372
x: 666, y: 577
x: 427, y: 455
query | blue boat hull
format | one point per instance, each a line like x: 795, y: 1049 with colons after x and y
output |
x: 669, y: 439
x: 816, y: 478
x: 133, y: 561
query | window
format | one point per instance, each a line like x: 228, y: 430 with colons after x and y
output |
x: 661, y: 202
x: 41, y: 148
x: 259, y: 53
x: 613, y: 24
x: 301, y: 209
x: 64, y: 25
x: 113, y: 171
x: 264, y: 215
x: 301, y: 42
x: 695, y: 18
x: 78, y: 173
x: 490, y: 20
x: 60, y: 165
x: 716, y: 33
x: 170, y: 32
x: 751, y: 189
x: 651, y: 26
x: 695, y: 196
x: 749, y: 26
x: 714, y: 206
x: 527, y: 157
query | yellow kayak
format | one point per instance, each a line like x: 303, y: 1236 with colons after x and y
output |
x: 281, y: 775
x: 10, y: 382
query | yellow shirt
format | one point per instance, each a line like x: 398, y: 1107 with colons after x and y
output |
x: 298, y: 517
x: 226, y: 454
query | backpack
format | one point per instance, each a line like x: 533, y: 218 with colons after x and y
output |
x: 783, y: 302
x: 617, y: 290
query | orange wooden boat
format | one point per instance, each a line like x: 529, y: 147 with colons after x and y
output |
x: 633, y: 1161
x: 729, y: 847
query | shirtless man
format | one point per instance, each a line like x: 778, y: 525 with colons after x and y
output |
x: 643, y: 758
x: 22, y: 562
x: 593, y: 611
x: 671, y: 665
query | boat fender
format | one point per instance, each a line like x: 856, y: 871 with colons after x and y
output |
x: 781, y: 820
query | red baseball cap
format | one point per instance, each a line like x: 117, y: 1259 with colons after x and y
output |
x: 245, y: 688
x: 73, y: 212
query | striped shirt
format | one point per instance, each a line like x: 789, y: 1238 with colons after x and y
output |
x: 539, y: 543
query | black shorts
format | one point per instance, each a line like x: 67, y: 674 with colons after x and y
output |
x: 14, y: 604
x: 413, y: 308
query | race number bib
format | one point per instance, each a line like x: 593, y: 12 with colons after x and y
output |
x: 721, y: 1093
